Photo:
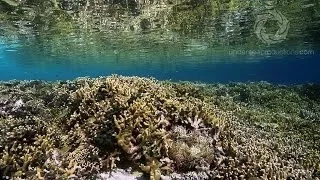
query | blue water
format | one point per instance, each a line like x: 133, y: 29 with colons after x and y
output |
x: 223, y: 68
x: 197, y: 43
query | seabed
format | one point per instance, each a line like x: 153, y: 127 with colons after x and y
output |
x: 134, y: 128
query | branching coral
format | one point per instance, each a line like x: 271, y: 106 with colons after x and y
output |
x: 78, y: 129
x: 141, y: 113
x: 194, y: 150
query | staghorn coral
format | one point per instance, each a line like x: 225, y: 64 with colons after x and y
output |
x: 82, y: 128
x: 143, y: 112
x: 269, y: 129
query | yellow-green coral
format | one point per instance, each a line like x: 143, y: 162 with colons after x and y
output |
x: 87, y: 126
x: 143, y: 112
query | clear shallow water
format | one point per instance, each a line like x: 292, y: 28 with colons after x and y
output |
x: 287, y: 69
x: 72, y: 40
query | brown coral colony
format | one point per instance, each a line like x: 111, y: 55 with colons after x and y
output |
x: 78, y: 129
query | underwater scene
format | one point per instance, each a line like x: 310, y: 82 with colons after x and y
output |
x: 160, y: 89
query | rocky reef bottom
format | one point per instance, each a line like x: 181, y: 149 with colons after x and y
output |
x: 140, y: 128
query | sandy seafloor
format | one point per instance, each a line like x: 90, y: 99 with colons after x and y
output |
x: 120, y: 127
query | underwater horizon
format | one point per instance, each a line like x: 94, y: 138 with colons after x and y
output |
x: 207, y: 67
x: 159, y: 89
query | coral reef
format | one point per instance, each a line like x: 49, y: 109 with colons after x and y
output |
x: 89, y: 128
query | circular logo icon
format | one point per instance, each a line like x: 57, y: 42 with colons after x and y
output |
x: 260, y: 28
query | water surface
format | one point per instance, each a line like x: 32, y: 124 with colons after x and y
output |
x: 208, y: 41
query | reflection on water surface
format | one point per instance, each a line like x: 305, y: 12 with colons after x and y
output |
x: 81, y: 128
x: 214, y: 41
